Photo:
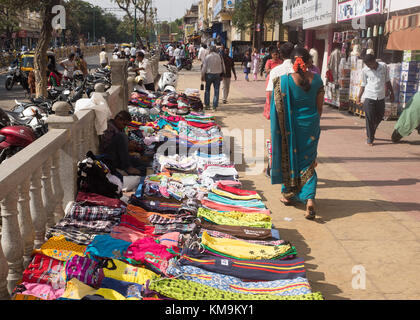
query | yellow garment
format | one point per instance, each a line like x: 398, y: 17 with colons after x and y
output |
x: 234, y: 196
x: 236, y: 218
x: 129, y: 273
x: 112, y: 294
x: 243, y: 250
x: 76, y: 290
x: 61, y: 249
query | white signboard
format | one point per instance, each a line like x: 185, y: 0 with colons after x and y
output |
x: 395, y: 5
x: 314, y: 13
x: 352, y: 9
x: 318, y: 13
x: 293, y: 10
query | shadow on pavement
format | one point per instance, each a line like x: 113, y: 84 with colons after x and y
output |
x: 330, y: 209
x: 326, y: 183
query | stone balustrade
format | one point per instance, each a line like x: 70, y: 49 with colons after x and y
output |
x: 37, y: 183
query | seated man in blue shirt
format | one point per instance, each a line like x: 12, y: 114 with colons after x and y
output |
x: 375, y: 81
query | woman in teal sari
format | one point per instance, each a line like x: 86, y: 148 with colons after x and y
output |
x: 296, y: 110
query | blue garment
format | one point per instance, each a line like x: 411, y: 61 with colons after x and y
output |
x: 282, y: 287
x: 105, y: 246
x: 295, y: 133
x: 127, y: 289
x: 212, y: 79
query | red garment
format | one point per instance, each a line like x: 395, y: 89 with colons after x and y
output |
x: 239, y: 192
x: 270, y: 65
x: 130, y: 222
x: 200, y: 125
x: 45, y: 270
x: 93, y: 199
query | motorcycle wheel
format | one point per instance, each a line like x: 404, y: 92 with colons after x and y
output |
x: 8, y: 153
x: 9, y: 84
x: 188, y: 67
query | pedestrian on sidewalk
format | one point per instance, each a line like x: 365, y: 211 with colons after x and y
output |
x: 202, y: 53
x: 211, y: 74
x: 145, y: 70
x: 375, y: 79
x: 409, y: 119
x: 68, y: 65
x: 246, y: 63
x: 103, y: 59
x: 230, y: 68
x: 265, y: 59
x: 270, y: 65
x: 114, y: 143
x: 255, y: 62
x: 295, y: 131
x: 178, y: 56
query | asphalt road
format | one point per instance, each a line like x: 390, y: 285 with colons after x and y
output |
x: 7, y: 98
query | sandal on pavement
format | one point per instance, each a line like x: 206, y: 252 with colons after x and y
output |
x: 310, y: 213
x: 286, y: 202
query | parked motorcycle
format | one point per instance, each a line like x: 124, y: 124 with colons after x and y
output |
x: 13, y: 138
x: 186, y: 63
x: 15, y: 75
x: 169, y: 79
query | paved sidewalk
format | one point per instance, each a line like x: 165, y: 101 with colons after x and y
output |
x: 368, y: 202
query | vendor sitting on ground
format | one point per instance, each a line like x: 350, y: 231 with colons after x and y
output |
x: 408, y: 120
x: 115, y: 144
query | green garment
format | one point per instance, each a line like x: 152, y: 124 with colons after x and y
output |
x: 190, y: 290
x: 410, y: 117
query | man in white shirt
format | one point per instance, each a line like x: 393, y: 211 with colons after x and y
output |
x: 170, y: 51
x: 211, y: 73
x: 375, y: 82
x: 178, y: 56
x: 145, y: 70
x: 127, y: 52
x: 285, y: 68
x: 202, y: 53
x: 133, y: 51
x: 68, y: 65
x: 103, y: 59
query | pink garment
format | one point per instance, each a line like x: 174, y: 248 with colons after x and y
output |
x: 42, y: 291
x: 127, y: 234
x: 169, y: 239
x: 224, y: 207
x: 148, y: 251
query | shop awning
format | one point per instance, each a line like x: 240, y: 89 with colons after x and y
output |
x: 404, y: 32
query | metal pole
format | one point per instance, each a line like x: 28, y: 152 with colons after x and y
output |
x: 94, y: 26
x: 135, y: 23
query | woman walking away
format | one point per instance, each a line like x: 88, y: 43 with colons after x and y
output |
x: 270, y: 65
x: 255, y: 62
x: 296, y: 110
x: 246, y: 62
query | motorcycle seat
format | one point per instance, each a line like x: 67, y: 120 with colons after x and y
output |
x: 16, y: 118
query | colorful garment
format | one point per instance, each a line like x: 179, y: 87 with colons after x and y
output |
x: 236, y: 218
x: 189, y: 290
x: 218, y: 234
x: 295, y: 132
x: 287, y: 287
x: 238, y: 231
x: 94, y: 213
x: 119, y: 270
x: 105, y: 246
x: 270, y: 65
x: 252, y: 270
x: 45, y: 270
x: 61, y: 249
x: 242, y: 250
x: 81, y: 236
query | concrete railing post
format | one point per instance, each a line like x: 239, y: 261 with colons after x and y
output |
x: 68, y: 157
x: 119, y: 78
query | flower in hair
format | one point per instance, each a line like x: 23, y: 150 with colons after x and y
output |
x: 299, y: 64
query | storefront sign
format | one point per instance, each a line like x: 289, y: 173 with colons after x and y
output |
x: 396, y: 5
x: 352, y: 9
x: 318, y: 13
x: 293, y: 10
x: 230, y: 4
x: 217, y: 8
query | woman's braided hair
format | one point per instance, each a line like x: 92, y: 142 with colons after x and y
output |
x: 300, y: 59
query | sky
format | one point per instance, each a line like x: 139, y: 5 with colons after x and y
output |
x: 167, y: 9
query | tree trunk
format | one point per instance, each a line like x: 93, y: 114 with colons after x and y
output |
x: 40, y: 59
